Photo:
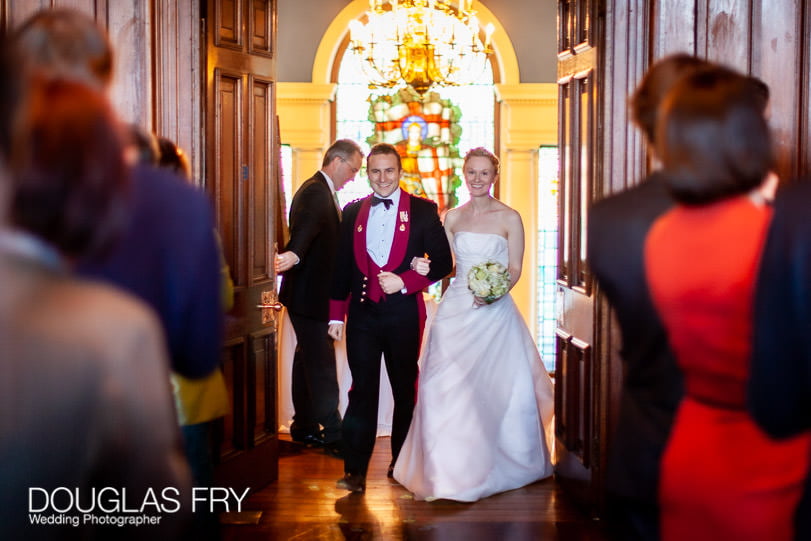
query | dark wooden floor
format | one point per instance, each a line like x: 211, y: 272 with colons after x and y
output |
x: 305, y: 505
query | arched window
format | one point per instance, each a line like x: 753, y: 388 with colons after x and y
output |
x: 352, y: 116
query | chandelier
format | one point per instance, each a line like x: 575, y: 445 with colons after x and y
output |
x: 421, y: 43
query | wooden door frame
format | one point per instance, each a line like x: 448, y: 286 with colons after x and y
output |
x: 241, y: 54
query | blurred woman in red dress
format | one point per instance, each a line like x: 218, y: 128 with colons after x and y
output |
x: 722, y: 476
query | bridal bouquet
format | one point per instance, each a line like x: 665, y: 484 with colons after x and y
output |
x: 489, y: 281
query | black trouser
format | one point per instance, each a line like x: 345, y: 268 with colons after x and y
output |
x: 391, y: 330
x: 315, y: 381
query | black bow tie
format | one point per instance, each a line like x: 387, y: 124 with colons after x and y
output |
x: 377, y: 200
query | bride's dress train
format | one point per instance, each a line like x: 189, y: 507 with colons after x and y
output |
x: 482, y: 422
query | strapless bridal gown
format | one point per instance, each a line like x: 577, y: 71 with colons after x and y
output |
x: 482, y: 422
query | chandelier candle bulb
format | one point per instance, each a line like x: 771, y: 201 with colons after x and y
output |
x: 420, y: 43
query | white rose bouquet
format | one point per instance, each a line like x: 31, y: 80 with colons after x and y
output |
x: 489, y: 281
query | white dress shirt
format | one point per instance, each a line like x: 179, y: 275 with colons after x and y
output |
x: 380, y: 228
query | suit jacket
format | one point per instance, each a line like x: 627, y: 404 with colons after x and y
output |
x: 168, y: 256
x: 780, y: 381
x: 417, y: 232
x: 652, y: 382
x: 314, y: 226
x: 84, y: 400
x: 780, y: 376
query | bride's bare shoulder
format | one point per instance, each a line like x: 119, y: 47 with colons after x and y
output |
x: 505, y: 209
x: 513, y: 214
x: 452, y: 216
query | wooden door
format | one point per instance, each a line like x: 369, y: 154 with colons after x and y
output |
x: 577, y: 382
x: 241, y: 166
x: 602, y: 53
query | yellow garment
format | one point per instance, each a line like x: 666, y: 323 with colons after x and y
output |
x: 227, y: 284
x: 200, y: 400
x: 205, y: 399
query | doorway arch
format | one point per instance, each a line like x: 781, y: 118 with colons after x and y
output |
x: 329, y: 48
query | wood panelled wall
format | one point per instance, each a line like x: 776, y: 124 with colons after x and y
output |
x: 157, y: 62
x: 178, y: 67
x: 769, y: 39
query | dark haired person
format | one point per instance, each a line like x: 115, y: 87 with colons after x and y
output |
x: 722, y: 476
x: 652, y: 383
x: 173, y: 158
x: 200, y: 402
x: 380, y: 294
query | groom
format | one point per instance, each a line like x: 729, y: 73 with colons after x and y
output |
x: 380, y: 294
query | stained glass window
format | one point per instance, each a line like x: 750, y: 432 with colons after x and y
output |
x: 352, y: 117
x: 546, y: 285
x: 287, y: 179
x: 476, y: 101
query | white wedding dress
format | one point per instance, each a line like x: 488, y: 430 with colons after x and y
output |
x: 483, y: 419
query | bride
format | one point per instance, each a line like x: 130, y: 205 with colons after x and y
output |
x: 482, y: 422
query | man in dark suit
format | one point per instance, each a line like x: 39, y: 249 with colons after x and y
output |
x: 652, y: 383
x: 307, y: 263
x: 381, y: 237
x: 780, y: 377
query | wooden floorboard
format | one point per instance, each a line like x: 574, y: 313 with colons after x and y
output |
x: 305, y: 505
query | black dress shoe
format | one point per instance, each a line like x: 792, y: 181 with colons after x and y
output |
x: 352, y: 482
x: 309, y: 440
x: 390, y: 471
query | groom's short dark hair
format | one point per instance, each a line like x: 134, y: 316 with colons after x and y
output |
x: 384, y: 148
